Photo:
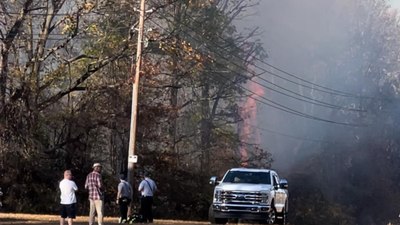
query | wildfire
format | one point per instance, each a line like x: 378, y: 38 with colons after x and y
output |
x: 248, y: 113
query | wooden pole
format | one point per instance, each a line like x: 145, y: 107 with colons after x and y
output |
x: 135, y: 93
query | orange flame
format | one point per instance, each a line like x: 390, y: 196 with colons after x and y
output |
x: 248, y: 113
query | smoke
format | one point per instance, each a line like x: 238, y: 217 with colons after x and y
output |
x: 348, y: 47
x: 305, y: 38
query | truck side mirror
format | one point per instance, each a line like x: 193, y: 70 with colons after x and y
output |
x: 283, y: 183
x: 213, y: 180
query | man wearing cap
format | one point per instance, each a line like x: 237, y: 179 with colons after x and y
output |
x: 94, y: 185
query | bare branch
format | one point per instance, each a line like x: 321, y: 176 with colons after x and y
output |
x: 91, y: 69
x: 83, y: 56
x: 74, y: 34
x: 17, y: 25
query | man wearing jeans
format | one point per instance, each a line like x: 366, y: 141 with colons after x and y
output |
x: 94, y: 185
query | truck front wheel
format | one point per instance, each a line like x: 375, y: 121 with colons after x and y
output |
x: 214, y: 220
x: 271, y: 219
x: 220, y: 221
x: 281, y: 220
x: 282, y: 216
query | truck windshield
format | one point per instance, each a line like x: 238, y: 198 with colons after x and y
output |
x: 247, y: 177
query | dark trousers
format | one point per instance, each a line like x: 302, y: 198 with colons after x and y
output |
x: 146, y: 208
x: 123, y: 207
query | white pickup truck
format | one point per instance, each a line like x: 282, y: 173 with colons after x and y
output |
x: 249, y: 194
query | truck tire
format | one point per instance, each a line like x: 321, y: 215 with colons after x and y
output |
x: 282, y: 218
x: 271, y: 217
x: 214, y: 220
x: 210, y: 214
x: 220, y: 221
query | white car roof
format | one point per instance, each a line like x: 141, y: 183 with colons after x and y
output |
x: 251, y: 170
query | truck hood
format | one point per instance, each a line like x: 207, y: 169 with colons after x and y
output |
x: 244, y: 187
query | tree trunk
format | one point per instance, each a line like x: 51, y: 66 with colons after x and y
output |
x: 3, y: 76
x: 174, y: 93
x: 205, y: 128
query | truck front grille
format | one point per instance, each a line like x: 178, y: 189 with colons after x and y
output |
x: 237, y: 197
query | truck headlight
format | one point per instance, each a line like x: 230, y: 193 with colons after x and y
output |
x: 217, y: 195
x: 264, y: 198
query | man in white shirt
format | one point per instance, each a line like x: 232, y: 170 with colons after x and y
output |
x: 68, y: 198
x: 147, y: 187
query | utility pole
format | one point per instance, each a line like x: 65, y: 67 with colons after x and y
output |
x: 132, y: 158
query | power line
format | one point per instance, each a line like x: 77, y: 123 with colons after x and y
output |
x: 333, y: 91
x: 327, y: 89
x: 281, y: 107
x: 320, y: 89
x: 60, y: 37
x: 284, y: 108
x: 316, y: 102
x: 330, y: 90
x: 274, y: 104
x: 293, y: 136
x: 326, y: 104
x: 92, y: 13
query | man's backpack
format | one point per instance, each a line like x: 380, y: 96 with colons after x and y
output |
x: 135, y: 218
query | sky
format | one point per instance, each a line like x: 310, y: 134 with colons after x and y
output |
x: 395, y: 3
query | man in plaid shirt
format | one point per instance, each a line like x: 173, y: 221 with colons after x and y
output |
x: 94, y: 185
